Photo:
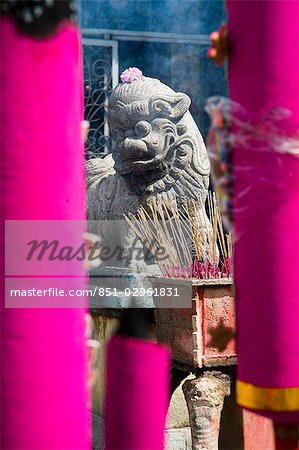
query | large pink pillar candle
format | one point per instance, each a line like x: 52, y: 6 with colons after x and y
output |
x: 137, y: 394
x: 264, y: 73
x: 43, y: 367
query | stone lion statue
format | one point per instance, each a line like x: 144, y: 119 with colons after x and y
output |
x: 157, y: 152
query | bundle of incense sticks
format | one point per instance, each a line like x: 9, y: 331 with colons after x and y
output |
x: 187, y: 242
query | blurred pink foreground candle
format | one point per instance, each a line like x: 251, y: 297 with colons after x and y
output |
x: 264, y: 74
x: 43, y: 373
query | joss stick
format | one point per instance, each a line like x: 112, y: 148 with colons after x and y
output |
x: 164, y: 225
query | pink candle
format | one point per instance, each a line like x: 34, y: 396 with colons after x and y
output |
x: 43, y: 373
x: 137, y: 394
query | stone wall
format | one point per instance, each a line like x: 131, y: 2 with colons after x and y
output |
x: 164, y: 16
x: 183, y: 66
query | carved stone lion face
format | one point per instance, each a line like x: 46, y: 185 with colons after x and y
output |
x: 145, y: 149
x: 154, y: 136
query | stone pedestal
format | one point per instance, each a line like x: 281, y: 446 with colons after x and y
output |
x: 202, y: 342
x: 203, y: 335
x: 205, y: 396
x: 104, y: 328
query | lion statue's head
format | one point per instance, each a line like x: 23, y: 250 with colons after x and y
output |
x: 156, y: 144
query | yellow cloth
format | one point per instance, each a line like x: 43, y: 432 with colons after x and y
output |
x: 267, y: 399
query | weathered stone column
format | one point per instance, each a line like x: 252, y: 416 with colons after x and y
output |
x: 205, y: 396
